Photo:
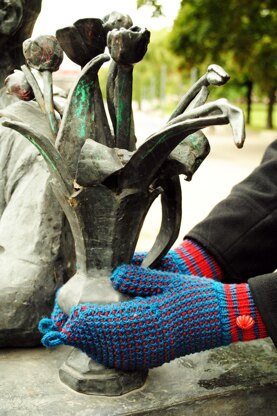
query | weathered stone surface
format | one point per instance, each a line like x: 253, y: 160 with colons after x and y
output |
x: 17, y: 21
x: 236, y: 380
x: 30, y: 236
x: 30, y: 218
x: 84, y: 375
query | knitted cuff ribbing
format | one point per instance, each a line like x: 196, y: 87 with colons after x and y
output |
x: 188, y: 258
x: 193, y: 258
x: 240, y: 319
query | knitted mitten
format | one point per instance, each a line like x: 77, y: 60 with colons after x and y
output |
x: 189, y: 257
x: 172, y: 316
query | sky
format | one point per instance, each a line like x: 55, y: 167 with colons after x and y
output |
x: 56, y: 14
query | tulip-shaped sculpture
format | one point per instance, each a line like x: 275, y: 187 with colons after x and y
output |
x: 17, y: 84
x: 103, y: 184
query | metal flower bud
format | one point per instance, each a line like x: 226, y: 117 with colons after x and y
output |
x: 83, y: 41
x: 116, y: 20
x: 217, y: 75
x: 128, y: 46
x: 17, y: 84
x: 43, y: 53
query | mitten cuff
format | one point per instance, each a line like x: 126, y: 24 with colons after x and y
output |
x: 193, y: 258
x: 241, y: 320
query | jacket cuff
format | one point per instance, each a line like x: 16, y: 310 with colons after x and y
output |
x: 264, y: 291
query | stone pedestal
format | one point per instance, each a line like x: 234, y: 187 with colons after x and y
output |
x: 84, y: 375
x: 230, y: 381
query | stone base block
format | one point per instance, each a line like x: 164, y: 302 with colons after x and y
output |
x: 83, y: 375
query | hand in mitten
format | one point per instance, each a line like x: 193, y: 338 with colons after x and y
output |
x: 189, y: 257
x: 172, y: 315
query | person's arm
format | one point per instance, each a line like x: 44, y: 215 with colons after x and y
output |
x: 264, y: 291
x: 241, y: 235
x: 241, y: 231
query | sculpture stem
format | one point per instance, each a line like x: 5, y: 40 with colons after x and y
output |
x: 110, y: 92
x: 123, y: 98
x: 102, y: 131
x: 215, y: 75
x: 48, y: 100
x: 35, y: 87
x: 189, y: 96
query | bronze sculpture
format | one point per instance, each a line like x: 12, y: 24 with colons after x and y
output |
x: 105, y: 186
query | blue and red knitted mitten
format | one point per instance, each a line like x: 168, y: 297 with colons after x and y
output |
x: 189, y: 257
x: 172, y: 315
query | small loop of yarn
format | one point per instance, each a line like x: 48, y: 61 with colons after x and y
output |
x: 45, y: 325
x: 52, y: 339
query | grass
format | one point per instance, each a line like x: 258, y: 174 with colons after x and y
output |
x: 259, y: 115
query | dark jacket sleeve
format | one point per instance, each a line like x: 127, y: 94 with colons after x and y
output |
x: 241, y: 231
x: 241, y: 234
x: 264, y: 291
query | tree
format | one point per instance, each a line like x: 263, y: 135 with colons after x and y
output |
x: 238, y: 34
x: 148, y: 72
x: 157, y: 8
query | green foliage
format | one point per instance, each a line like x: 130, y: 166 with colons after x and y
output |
x: 259, y: 115
x: 157, y: 8
x: 240, y: 35
x: 158, y: 62
x: 238, y: 29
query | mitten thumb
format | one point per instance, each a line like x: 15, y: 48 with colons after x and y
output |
x: 140, y: 281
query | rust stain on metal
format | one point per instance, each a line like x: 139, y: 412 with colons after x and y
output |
x: 73, y: 202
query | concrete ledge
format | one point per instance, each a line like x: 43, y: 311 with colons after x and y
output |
x: 237, y: 380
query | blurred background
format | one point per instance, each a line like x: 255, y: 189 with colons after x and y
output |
x: 186, y: 37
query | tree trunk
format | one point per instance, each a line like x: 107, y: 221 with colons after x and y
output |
x: 270, y: 107
x: 249, y: 86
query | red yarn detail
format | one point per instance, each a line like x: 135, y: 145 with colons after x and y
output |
x: 243, y: 306
x: 232, y: 317
x: 187, y: 262
x: 261, y: 326
x: 202, y: 261
x: 243, y: 297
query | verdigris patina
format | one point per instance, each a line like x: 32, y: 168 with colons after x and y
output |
x: 103, y: 184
